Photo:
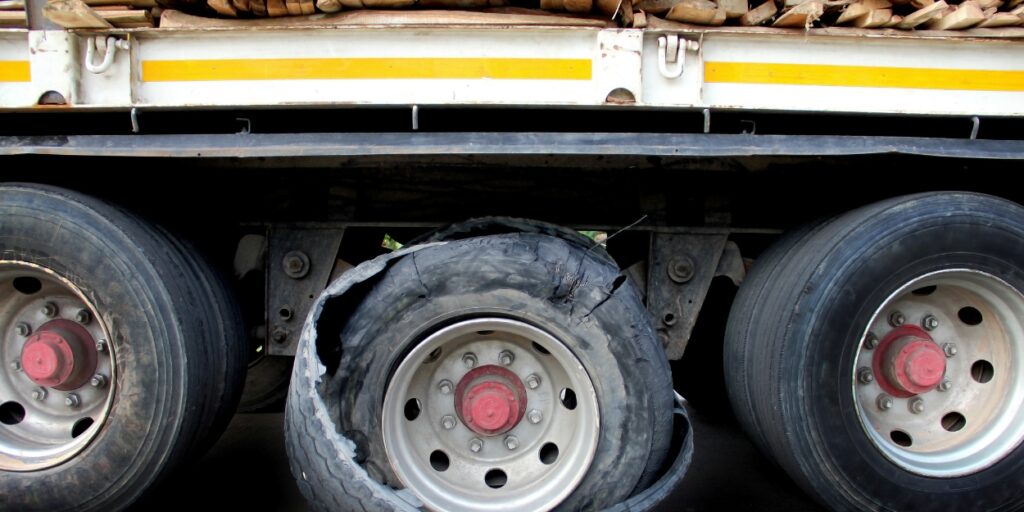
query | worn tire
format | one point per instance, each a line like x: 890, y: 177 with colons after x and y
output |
x: 798, y: 324
x: 577, y: 296
x: 170, y: 326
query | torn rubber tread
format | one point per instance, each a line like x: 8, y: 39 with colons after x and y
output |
x: 814, y: 312
x: 556, y: 285
x: 147, y: 293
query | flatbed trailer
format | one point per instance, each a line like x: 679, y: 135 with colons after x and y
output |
x: 817, y: 228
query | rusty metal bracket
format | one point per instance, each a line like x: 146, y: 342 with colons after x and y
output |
x: 681, y: 269
x: 299, y: 268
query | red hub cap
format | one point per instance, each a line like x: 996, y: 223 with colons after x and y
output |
x: 490, y: 400
x: 60, y: 355
x: 909, y: 362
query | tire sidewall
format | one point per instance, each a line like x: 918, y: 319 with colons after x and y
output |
x: 877, y: 259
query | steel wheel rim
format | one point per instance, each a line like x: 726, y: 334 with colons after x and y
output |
x: 534, y: 480
x: 42, y: 426
x: 974, y: 415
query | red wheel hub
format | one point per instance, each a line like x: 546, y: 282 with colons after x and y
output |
x: 490, y: 400
x: 60, y: 355
x: 909, y: 362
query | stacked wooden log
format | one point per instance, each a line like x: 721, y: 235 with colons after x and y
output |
x: 12, y: 13
x: 899, y: 14
x: 100, y: 13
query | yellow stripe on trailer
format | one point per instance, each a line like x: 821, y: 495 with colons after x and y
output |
x: 15, y: 71
x: 863, y: 76
x: 366, y: 69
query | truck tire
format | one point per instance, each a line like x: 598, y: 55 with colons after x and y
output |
x: 118, y: 360
x: 513, y: 371
x: 266, y: 384
x: 883, y: 355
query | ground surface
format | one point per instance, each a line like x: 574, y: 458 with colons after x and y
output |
x: 248, y: 471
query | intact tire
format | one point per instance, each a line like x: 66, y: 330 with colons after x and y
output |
x: 171, y: 371
x: 533, y: 289
x: 891, y: 440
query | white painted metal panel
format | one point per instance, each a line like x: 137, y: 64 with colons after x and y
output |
x: 15, y: 72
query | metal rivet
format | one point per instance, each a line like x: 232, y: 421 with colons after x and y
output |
x: 39, y: 394
x: 535, y: 416
x: 445, y: 386
x: 83, y: 316
x: 23, y: 329
x: 916, y: 406
x: 884, y: 402
x: 511, y: 442
x: 49, y: 310
x: 16, y: 366
x: 949, y: 349
x: 469, y: 359
x: 98, y: 381
x: 945, y: 385
x: 101, y: 346
x: 448, y: 422
x: 870, y: 341
x: 864, y: 376
x: 506, y: 357
x: 72, y: 400
x: 475, y: 445
x: 279, y: 335
x: 929, y: 322
x: 533, y: 381
x: 681, y: 269
x: 896, y: 319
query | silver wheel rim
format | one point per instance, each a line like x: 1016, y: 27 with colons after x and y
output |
x: 42, y: 426
x: 433, y: 453
x: 973, y: 416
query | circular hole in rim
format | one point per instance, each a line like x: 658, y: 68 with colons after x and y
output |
x: 11, y: 413
x: 953, y: 422
x: 81, y: 426
x: 433, y: 356
x: 27, y: 285
x: 901, y: 438
x: 982, y: 371
x: 496, y: 479
x: 412, y: 409
x: 439, y: 460
x: 926, y: 290
x: 540, y: 348
x: 568, y: 398
x: 969, y: 315
x: 549, y: 453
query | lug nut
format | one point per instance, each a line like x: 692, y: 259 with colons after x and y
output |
x: 896, y: 319
x: 39, y: 394
x: 929, y: 322
x: 870, y: 341
x: 885, y: 402
x: 511, y: 442
x: 864, y: 376
x: 475, y: 445
x: 469, y: 359
x: 83, y: 317
x: 49, y: 310
x: 533, y: 381
x: 949, y: 349
x: 98, y: 381
x: 535, y: 416
x: 72, y: 400
x: 16, y: 365
x: 448, y: 422
x: 506, y: 357
x: 945, y: 385
x: 916, y: 406
x: 23, y: 329
x: 101, y: 346
x: 445, y: 386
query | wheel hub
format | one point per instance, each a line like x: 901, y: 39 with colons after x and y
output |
x: 490, y: 400
x: 60, y: 355
x: 909, y: 362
